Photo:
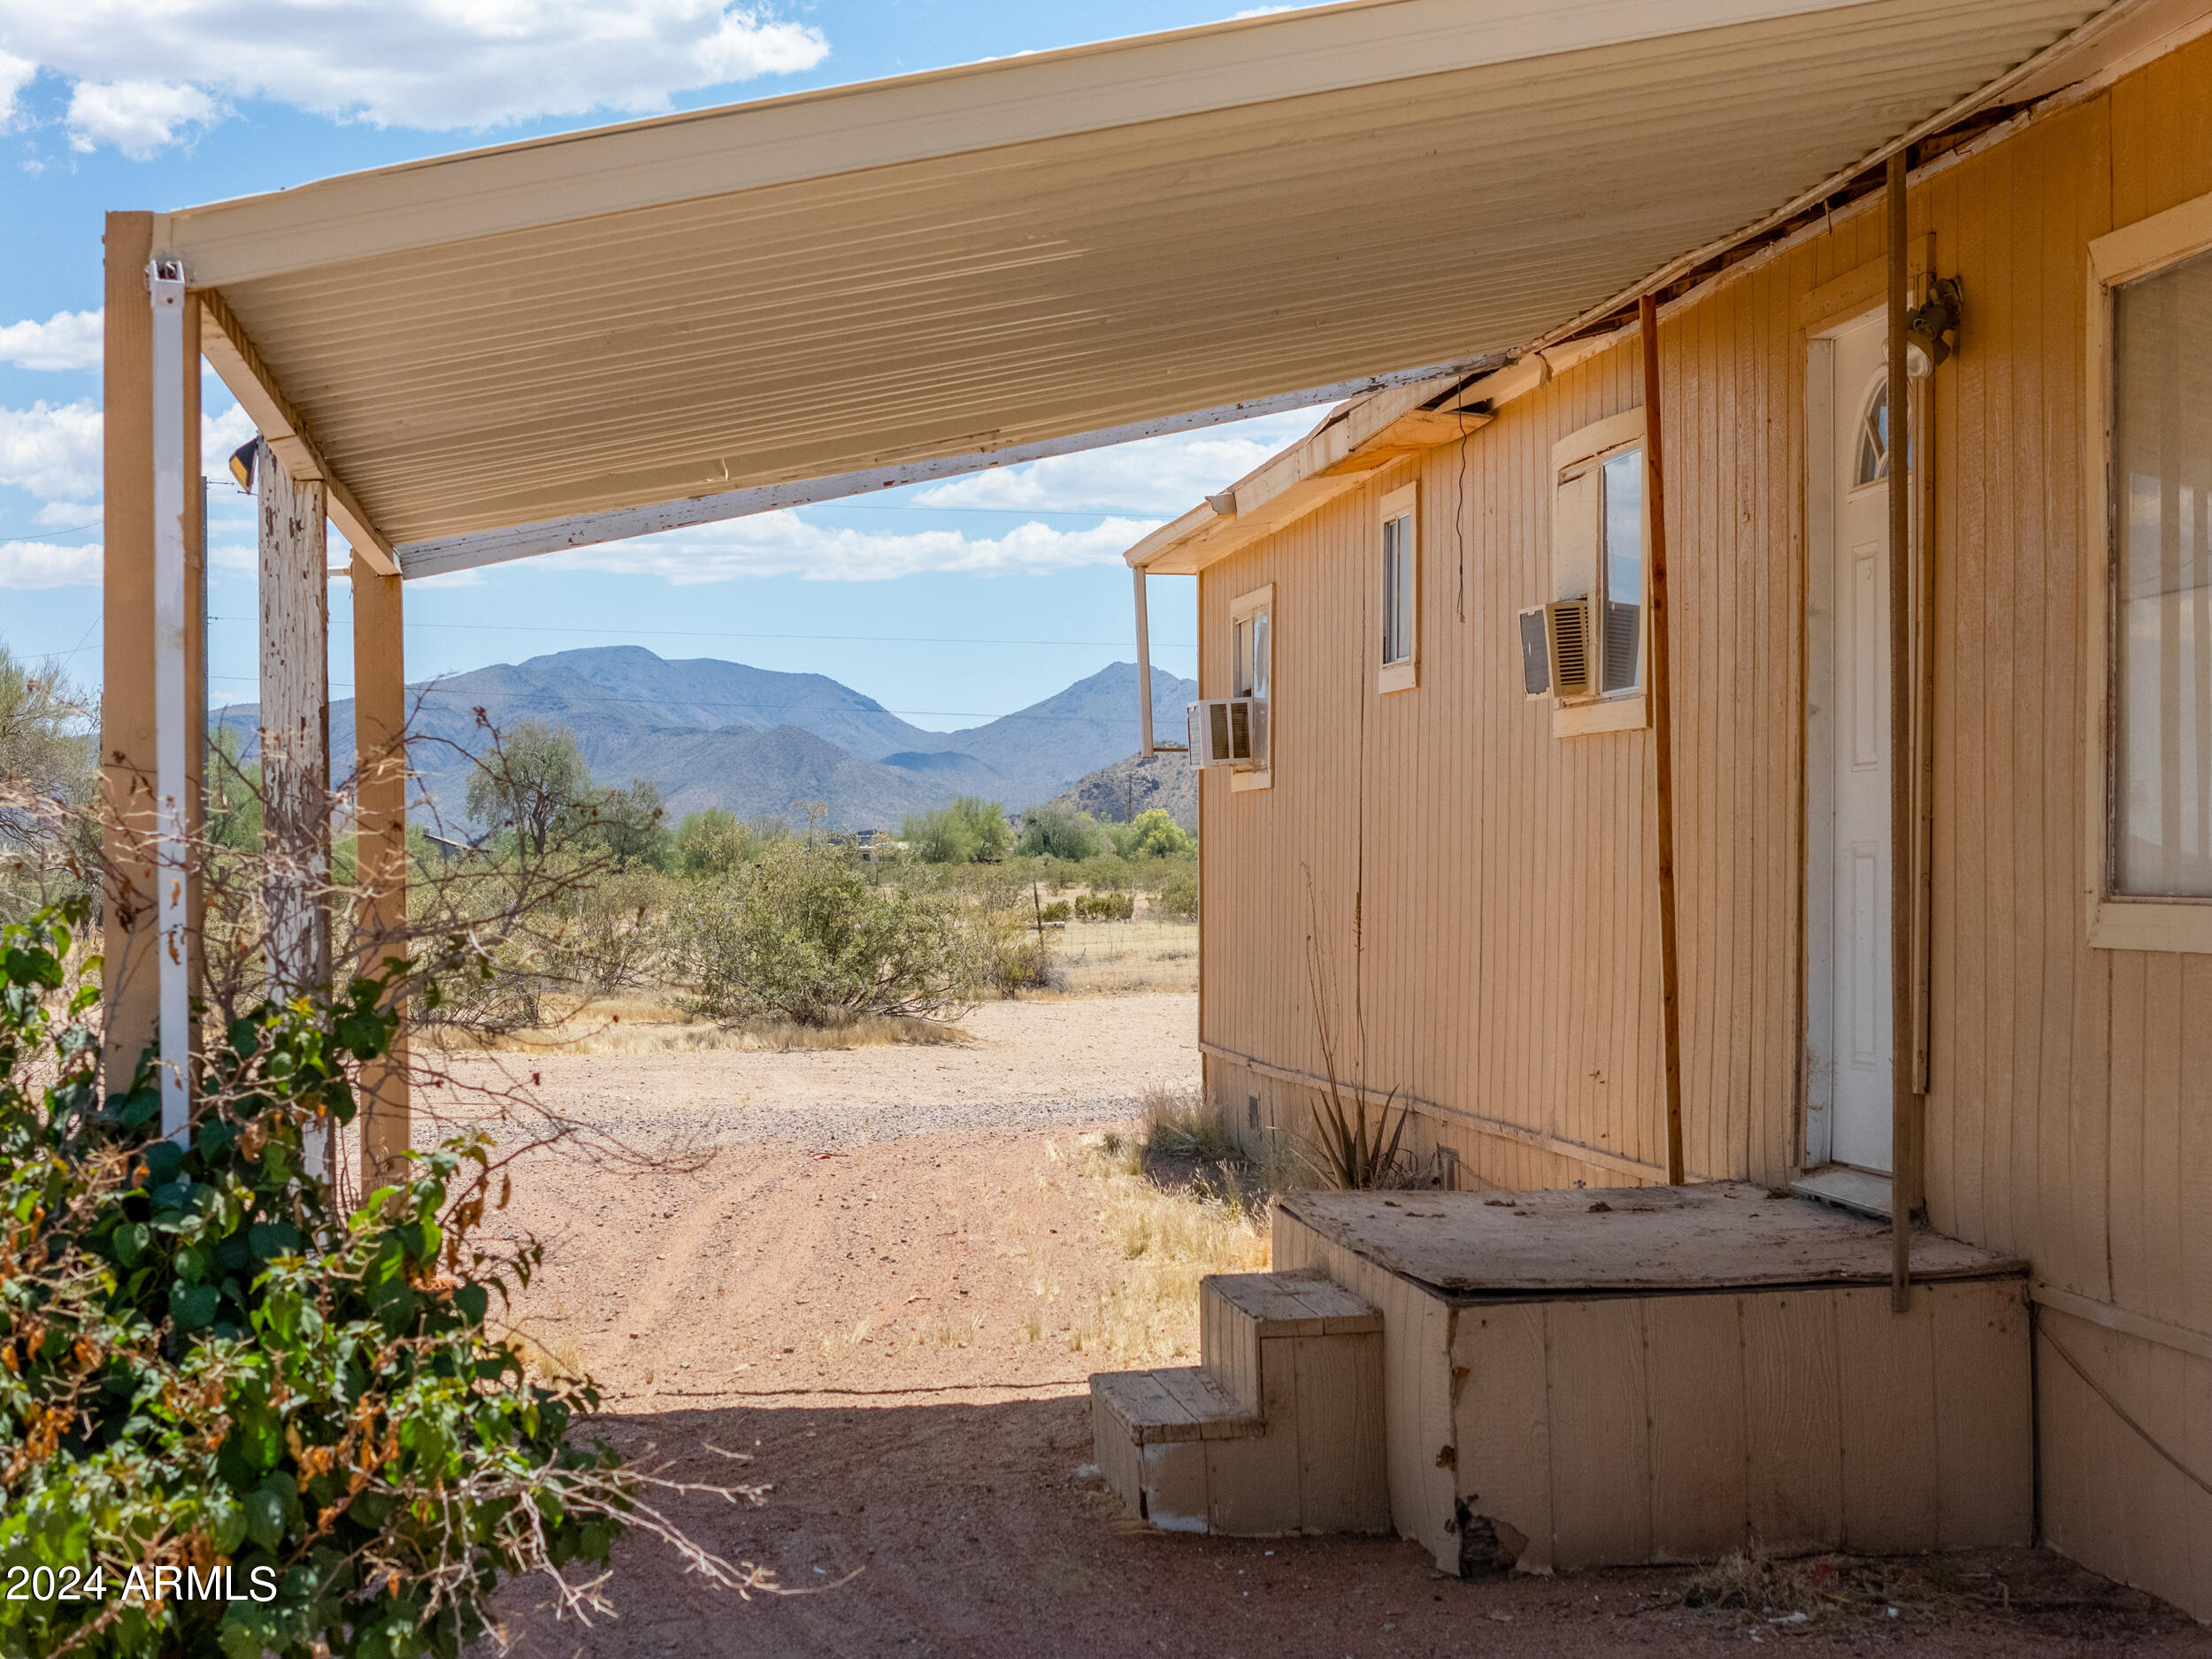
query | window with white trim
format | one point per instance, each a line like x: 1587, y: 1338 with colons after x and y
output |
x: 1252, y: 674
x: 1401, y: 589
x: 2160, y: 591
x: 1599, y: 553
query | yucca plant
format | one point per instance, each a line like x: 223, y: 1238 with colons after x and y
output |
x: 1354, y: 1152
x: 1345, y: 1147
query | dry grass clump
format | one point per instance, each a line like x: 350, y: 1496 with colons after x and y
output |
x: 550, y: 1356
x: 1809, y: 1590
x: 1167, y: 1238
x: 640, y: 1027
x: 1121, y: 958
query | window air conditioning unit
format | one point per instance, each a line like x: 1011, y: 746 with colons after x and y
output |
x: 1229, y: 731
x: 1555, y: 650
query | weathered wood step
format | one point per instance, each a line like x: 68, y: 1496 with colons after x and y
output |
x: 1280, y: 1430
x: 1237, y: 1311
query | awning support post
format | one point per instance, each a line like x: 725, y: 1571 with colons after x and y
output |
x: 379, y: 724
x: 295, y: 589
x: 1904, y: 1095
x: 1662, y: 740
x: 1144, y: 669
x: 171, y: 365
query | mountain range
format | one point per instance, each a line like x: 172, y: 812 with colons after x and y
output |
x: 708, y: 733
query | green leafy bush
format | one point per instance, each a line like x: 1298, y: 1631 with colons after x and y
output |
x: 1056, y: 832
x: 969, y: 831
x: 1058, y: 911
x: 806, y: 934
x: 207, y: 1370
x: 1154, y: 834
x: 1106, y: 907
x: 1177, y: 900
x: 712, y: 843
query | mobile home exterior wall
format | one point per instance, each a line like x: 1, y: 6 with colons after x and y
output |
x: 1470, y: 901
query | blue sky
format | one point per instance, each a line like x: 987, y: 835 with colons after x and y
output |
x: 950, y: 603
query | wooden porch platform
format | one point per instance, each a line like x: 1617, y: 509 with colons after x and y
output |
x: 1588, y: 1377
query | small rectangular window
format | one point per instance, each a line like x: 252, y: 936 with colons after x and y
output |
x: 1252, y: 674
x: 1597, y: 601
x: 2162, y: 583
x: 1623, y: 529
x: 1399, y: 589
x: 1249, y: 677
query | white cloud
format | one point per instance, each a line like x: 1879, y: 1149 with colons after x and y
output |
x: 1164, y: 475
x: 52, y: 449
x: 140, y: 118
x: 48, y: 565
x: 145, y: 74
x: 67, y: 339
x: 784, y: 544
x: 67, y: 515
x: 219, y: 435
x: 15, y: 74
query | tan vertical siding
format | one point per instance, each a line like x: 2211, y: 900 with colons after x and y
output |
x: 1508, y: 981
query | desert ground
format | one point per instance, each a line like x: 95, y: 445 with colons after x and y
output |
x: 881, y: 1299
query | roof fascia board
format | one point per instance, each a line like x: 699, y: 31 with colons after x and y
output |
x: 2080, y: 42
x: 876, y: 124
x: 1340, y: 456
x: 227, y: 348
x: 2123, y: 36
x: 494, y: 547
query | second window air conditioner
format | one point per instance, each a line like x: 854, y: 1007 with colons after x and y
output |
x: 1555, y: 650
x: 1229, y: 731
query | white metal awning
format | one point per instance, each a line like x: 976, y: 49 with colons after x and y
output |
x: 589, y: 336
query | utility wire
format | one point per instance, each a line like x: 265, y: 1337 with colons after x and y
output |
x: 705, y: 702
x: 714, y: 633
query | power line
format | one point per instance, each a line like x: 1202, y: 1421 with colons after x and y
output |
x: 711, y: 633
x: 710, y: 702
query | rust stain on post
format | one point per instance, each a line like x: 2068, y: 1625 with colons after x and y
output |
x: 1663, y: 747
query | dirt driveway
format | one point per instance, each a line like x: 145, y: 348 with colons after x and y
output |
x: 870, y: 1292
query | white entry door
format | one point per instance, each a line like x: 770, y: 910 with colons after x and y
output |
x: 1859, y: 1133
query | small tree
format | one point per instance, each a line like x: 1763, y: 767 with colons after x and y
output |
x: 972, y: 830
x: 234, y: 795
x: 47, y: 761
x: 1060, y: 833
x: 1153, y: 834
x: 531, y: 782
x: 631, y: 824
x: 712, y: 843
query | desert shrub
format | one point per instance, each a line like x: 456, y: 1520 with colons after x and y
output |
x: 806, y: 934
x: 630, y: 825
x: 969, y: 831
x: 1177, y: 900
x: 48, y: 757
x: 1058, y: 911
x: 1057, y: 833
x: 712, y: 843
x: 210, y: 1369
x: 1152, y: 834
x: 1106, y: 907
x: 611, y: 935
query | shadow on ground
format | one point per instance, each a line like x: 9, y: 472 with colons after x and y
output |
x: 972, y: 1533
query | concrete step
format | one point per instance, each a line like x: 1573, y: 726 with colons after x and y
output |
x: 1278, y: 1429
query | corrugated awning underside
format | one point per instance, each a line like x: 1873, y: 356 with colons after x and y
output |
x: 967, y: 261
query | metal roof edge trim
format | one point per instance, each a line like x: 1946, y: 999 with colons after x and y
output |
x: 1180, y: 534
x: 828, y: 131
x: 448, y: 553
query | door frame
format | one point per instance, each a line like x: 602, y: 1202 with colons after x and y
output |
x: 1816, y: 1118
